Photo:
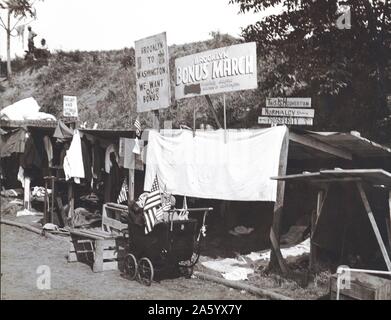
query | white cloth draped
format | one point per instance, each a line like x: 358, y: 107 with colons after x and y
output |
x: 205, y: 167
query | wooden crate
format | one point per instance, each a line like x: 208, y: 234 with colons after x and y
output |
x: 362, y: 287
x: 102, y: 254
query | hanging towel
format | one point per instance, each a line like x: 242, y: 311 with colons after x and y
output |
x: 73, y: 161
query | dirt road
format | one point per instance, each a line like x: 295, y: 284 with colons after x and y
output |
x: 22, y: 252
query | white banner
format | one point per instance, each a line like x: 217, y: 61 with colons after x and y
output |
x: 152, y: 73
x: 221, y: 70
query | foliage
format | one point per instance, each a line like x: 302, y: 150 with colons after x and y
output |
x: 346, y: 71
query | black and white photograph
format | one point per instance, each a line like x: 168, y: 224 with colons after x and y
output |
x: 195, y: 156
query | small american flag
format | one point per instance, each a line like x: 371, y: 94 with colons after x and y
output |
x: 123, y: 195
x: 137, y: 124
x: 153, y: 210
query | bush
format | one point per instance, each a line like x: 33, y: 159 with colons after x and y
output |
x: 74, y: 56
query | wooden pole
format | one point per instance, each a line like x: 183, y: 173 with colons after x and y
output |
x: 8, y: 31
x: 27, y: 193
x: 374, y: 225
x: 156, y: 120
x: 194, y: 120
x: 210, y: 104
x: 278, y: 209
x: 225, y: 119
x: 131, y: 184
x: 389, y: 209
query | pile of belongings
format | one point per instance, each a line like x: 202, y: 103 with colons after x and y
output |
x: 26, y: 109
x: 83, y: 218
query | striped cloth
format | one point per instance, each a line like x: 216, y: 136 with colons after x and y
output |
x: 137, y: 124
x: 153, y: 210
x: 123, y: 194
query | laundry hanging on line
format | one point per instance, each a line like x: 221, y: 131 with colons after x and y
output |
x: 206, y: 167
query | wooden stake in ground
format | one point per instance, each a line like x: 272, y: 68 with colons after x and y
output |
x: 278, y: 209
x: 374, y: 225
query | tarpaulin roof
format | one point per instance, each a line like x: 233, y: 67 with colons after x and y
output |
x: 345, y: 143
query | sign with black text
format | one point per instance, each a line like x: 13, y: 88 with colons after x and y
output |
x: 152, y: 73
x: 286, y: 121
x: 220, y: 70
x: 288, y: 102
x: 70, y: 107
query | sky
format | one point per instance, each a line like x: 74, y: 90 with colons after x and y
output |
x: 115, y: 24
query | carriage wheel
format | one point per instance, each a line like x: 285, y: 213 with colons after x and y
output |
x: 131, y: 267
x: 145, y: 271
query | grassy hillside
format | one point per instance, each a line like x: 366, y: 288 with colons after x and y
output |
x: 105, y: 85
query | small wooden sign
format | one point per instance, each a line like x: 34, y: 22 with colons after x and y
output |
x: 70, y: 107
x: 288, y: 102
x: 288, y: 112
x: 293, y: 121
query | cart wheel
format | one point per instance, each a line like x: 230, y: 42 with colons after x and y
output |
x: 145, y: 271
x: 131, y: 266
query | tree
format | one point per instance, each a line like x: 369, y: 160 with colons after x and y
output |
x: 344, y: 66
x: 19, y: 9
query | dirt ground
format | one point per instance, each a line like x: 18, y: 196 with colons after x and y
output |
x: 22, y: 252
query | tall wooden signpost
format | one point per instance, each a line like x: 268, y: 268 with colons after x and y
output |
x: 70, y: 110
x: 290, y: 112
x: 153, y: 81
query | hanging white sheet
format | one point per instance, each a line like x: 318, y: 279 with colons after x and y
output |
x: 205, y: 167
x: 73, y: 161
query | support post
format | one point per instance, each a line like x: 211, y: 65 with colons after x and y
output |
x: 225, y: 119
x: 314, y: 222
x: 131, y: 185
x: 210, y: 104
x: 374, y: 225
x: 71, y: 201
x: 278, y: 208
x: 27, y: 193
x: 156, y: 120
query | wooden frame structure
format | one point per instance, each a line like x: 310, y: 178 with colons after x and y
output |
x: 323, y: 181
x: 334, y: 151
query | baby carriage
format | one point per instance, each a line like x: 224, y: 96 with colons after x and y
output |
x: 173, y: 245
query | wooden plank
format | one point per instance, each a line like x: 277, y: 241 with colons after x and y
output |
x: 71, y: 202
x: 288, y: 112
x: 109, y: 266
x: 288, y: 102
x: 389, y: 209
x: 113, y: 254
x: 115, y: 206
x: 278, y: 209
x: 131, y: 185
x: 291, y: 121
x: 83, y: 234
x: 27, y: 193
x: 374, y: 225
x: 313, y: 143
x: 373, y: 176
x: 112, y: 223
x: 364, y: 287
x: 98, y: 259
